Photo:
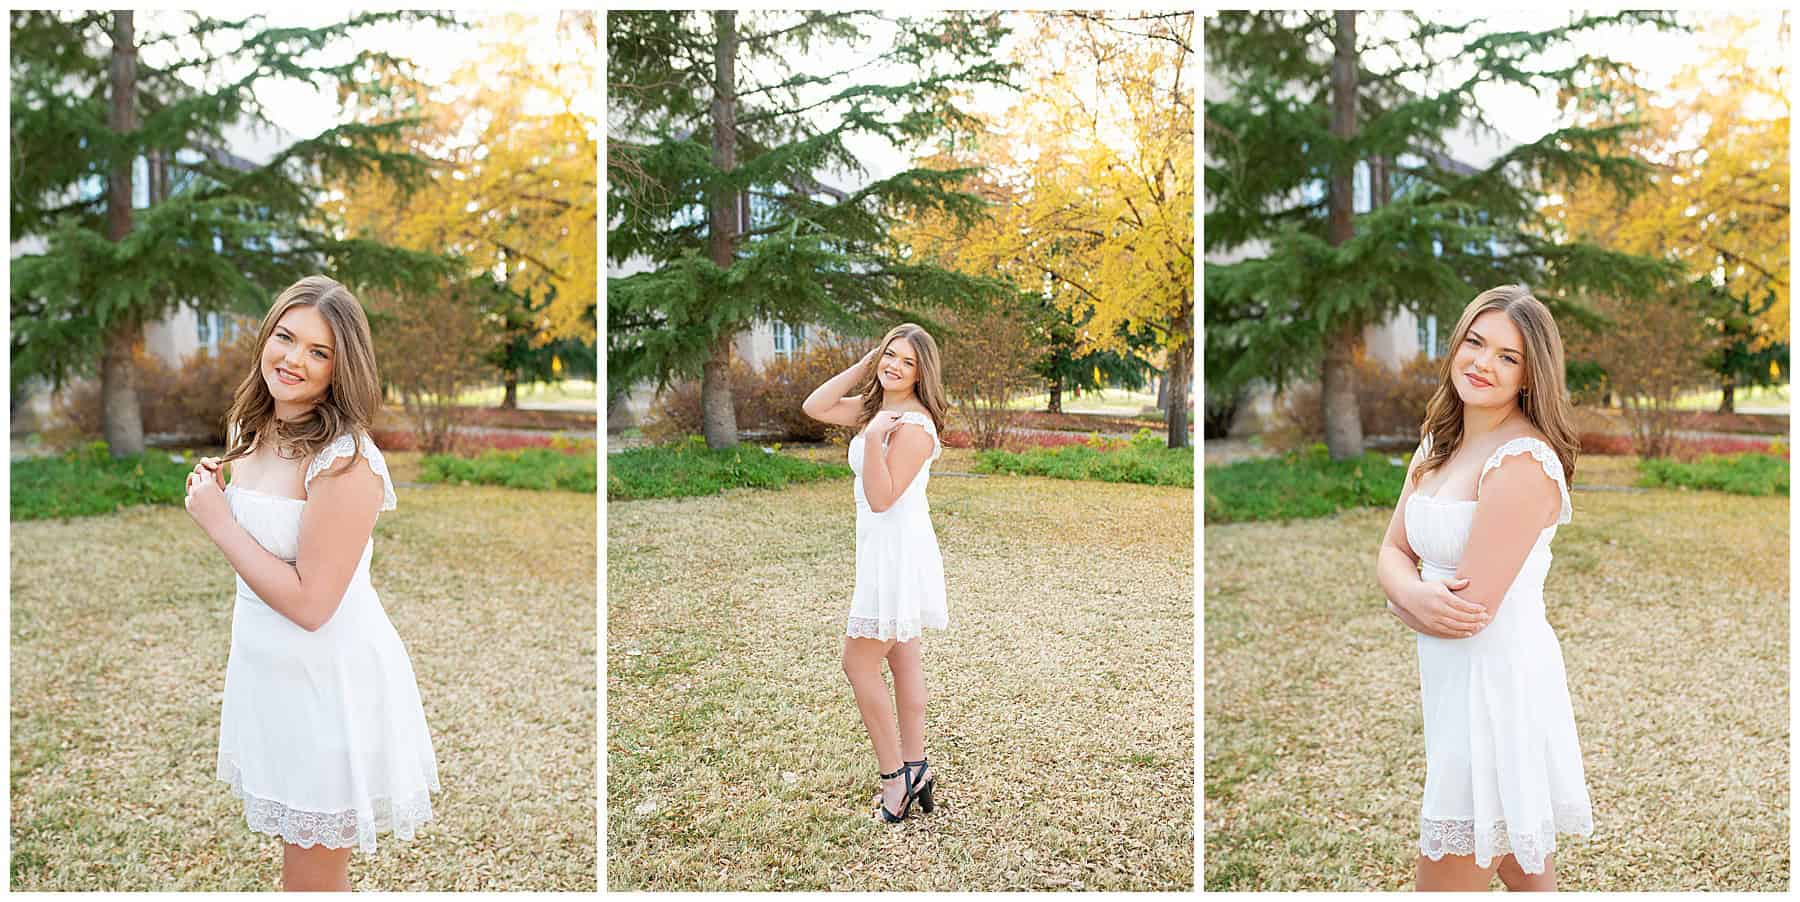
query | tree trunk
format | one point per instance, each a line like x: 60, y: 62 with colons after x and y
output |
x: 719, y: 422
x: 510, y: 401
x: 1181, y: 369
x: 121, y: 419
x: 1728, y: 396
x: 1343, y: 421
x: 1218, y: 417
x: 1055, y: 405
x: 1162, y: 392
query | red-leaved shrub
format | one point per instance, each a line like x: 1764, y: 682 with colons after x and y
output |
x: 1684, y: 449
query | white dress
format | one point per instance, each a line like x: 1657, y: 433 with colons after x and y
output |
x: 899, y: 572
x: 322, y: 733
x: 1503, y: 767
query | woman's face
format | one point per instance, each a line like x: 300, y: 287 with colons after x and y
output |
x: 297, y: 360
x: 1489, y: 367
x: 898, y: 367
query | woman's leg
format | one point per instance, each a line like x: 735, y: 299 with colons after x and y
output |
x: 909, y: 697
x: 1518, y: 881
x: 862, y: 666
x: 1455, y: 873
x: 317, y: 869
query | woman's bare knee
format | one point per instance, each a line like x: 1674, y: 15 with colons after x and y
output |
x: 314, y: 869
x: 911, y: 704
x: 1516, y: 880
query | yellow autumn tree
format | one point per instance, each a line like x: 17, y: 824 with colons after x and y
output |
x: 514, y: 190
x: 1716, y: 138
x: 1090, y: 180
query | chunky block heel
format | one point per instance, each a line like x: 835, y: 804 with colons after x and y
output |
x: 921, y: 786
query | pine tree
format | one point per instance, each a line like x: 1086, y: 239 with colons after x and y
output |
x: 1313, y: 93
x: 721, y: 159
x: 218, y: 233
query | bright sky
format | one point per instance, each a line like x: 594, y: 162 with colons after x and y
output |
x: 437, y: 52
x: 881, y: 158
x: 1525, y: 116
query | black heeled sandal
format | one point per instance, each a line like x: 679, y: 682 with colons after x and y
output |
x: 922, y: 787
x: 881, y: 804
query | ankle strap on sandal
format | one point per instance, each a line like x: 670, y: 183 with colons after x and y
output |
x: 917, y: 763
x: 894, y: 774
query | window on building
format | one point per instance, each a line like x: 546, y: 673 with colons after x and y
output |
x: 788, y: 339
x: 216, y: 330
x: 1429, y: 339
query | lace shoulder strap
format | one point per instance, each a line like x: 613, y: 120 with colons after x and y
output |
x: 915, y: 417
x: 1545, y: 457
x: 345, y: 446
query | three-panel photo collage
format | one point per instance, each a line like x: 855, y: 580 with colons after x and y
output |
x: 616, y: 451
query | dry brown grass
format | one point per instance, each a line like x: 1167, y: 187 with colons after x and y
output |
x: 1672, y: 610
x: 1061, y: 714
x: 120, y: 629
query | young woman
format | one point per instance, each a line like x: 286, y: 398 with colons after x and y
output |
x: 1463, y: 564
x: 322, y: 733
x: 899, y: 573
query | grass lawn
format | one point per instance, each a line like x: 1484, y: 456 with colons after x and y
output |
x: 1672, y: 610
x: 1061, y: 716
x: 1120, y: 402
x: 1771, y: 398
x: 534, y: 393
x: 121, y: 624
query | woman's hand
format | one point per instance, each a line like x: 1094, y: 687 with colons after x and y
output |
x: 1441, y: 613
x: 206, y: 494
x: 883, y: 423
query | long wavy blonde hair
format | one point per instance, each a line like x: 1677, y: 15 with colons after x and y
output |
x: 930, y: 387
x: 351, y: 400
x: 1544, y: 396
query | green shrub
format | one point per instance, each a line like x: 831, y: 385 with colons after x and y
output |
x: 1301, y: 484
x: 87, y: 481
x: 541, y: 469
x: 1142, y: 459
x: 690, y: 468
x: 1739, y: 474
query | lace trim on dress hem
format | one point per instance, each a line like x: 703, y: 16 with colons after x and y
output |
x: 875, y: 628
x: 1451, y: 836
x: 331, y: 829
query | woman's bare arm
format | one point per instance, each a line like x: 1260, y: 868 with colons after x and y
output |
x: 1424, y: 607
x: 829, y: 404
x: 335, y: 527
x: 1517, y: 501
x: 887, y: 472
